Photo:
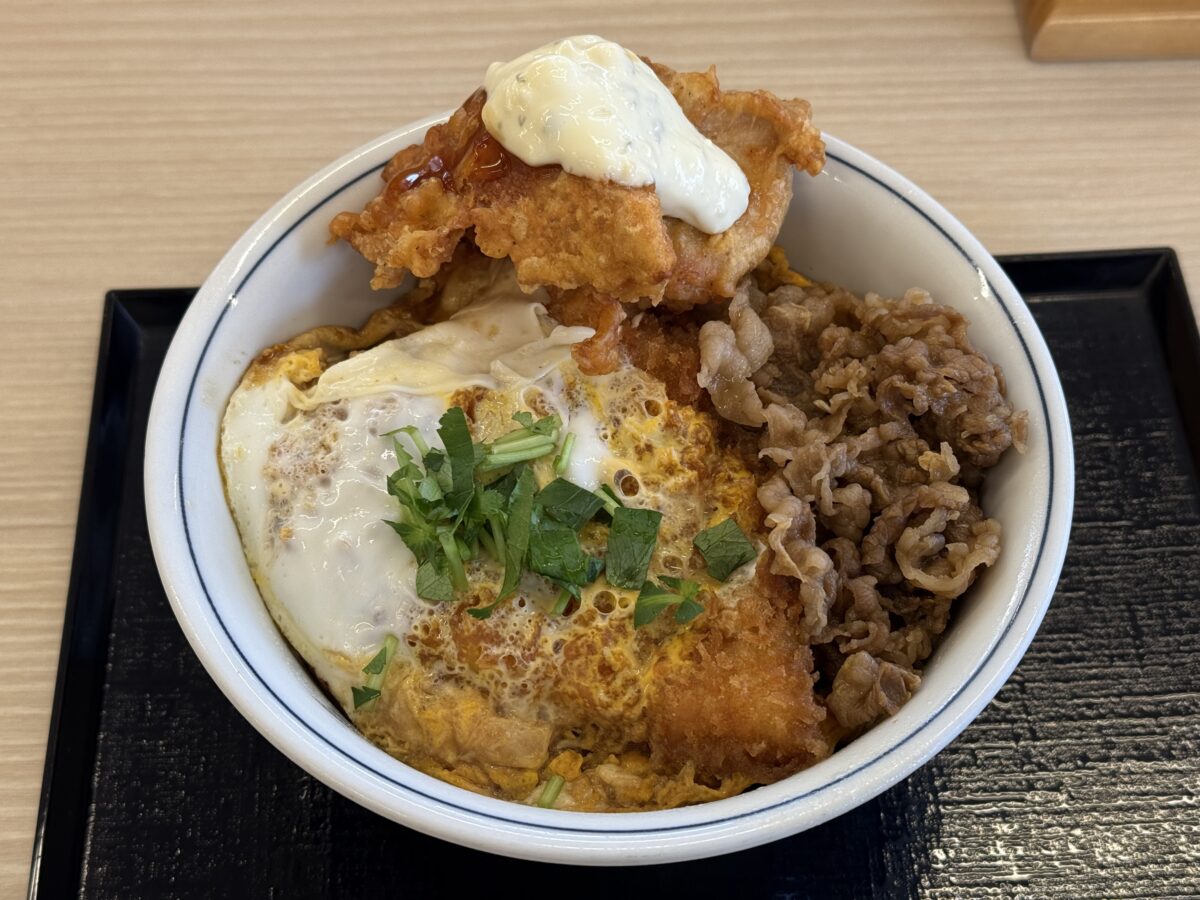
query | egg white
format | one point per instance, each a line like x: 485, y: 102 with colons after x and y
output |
x: 306, y: 468
x: 305, y: 452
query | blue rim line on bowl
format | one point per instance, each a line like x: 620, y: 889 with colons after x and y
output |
x: 1011, y: 618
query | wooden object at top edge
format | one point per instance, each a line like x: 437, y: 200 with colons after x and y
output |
x: 1110, y: 29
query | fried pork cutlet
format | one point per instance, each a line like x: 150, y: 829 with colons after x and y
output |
x: 736, y: 700
x: 565, y: 231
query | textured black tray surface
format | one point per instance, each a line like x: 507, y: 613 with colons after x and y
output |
x: 1080, y: 779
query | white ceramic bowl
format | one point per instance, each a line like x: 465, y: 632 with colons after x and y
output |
x: 858, y: 224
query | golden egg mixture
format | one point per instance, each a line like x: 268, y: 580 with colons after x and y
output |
x: 504, y: 704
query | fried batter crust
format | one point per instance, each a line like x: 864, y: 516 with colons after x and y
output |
x: 599, y: 354
x: 764, y: 135
x: 739, y: 700
x: 662, y: 346
x: 666, y: 347
x: 558, y: 229
x: 568, y: 232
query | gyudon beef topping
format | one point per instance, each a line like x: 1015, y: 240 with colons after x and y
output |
x: 878, y: 419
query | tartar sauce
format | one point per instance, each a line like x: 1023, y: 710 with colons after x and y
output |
x: 597, y: 110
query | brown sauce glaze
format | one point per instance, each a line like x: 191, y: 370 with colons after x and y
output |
x: 480, y: 159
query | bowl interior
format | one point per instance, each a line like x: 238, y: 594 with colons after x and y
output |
x: 856, y: 224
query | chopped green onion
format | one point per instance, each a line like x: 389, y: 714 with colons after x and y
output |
x: 554, y: 786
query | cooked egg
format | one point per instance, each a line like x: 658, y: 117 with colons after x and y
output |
x: 306, y: 448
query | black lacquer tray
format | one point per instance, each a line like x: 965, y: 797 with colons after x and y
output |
x: 1081, y: 779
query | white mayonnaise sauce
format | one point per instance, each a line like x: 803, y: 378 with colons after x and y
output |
x: 597, y: 110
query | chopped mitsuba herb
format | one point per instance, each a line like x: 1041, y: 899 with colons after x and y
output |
x: 453, y: 557
x: 554, y: 786
x: 564, y: 455
x: 544, y: 426
x: 433, y: 581
x: 419, y: 535
x: 363, y: 695
x: 725, y: 548
x: 516, y: 536
x: 505, y: 484
x: 595, y: 566
x: 434, y: 460
x: 608, y: 498
x: 654, y: 598
x: 414, y: 434
x: 467, y: 550
x: 451, y: 509
x: 460, y: 454
x: 483, y: 612
x: 689, y: 607
x: 423, y: 521
x: 489, y: 545
x: 380, y: 660
x: 631, y: 543
x: 561, y: 602
x: 447, y: 515
x: 569, y: 503
x: 376, y: 669
x: 489, y: 503
x: 531, y: 441
x: 554, y: 550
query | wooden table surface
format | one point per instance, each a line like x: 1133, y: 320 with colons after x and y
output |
x: 138, y: 139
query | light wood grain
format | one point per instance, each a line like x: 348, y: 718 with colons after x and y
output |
x: 138, y: 139
x: 1111, y: 29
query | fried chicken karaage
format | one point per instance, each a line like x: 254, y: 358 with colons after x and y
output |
x: 564, y: 231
